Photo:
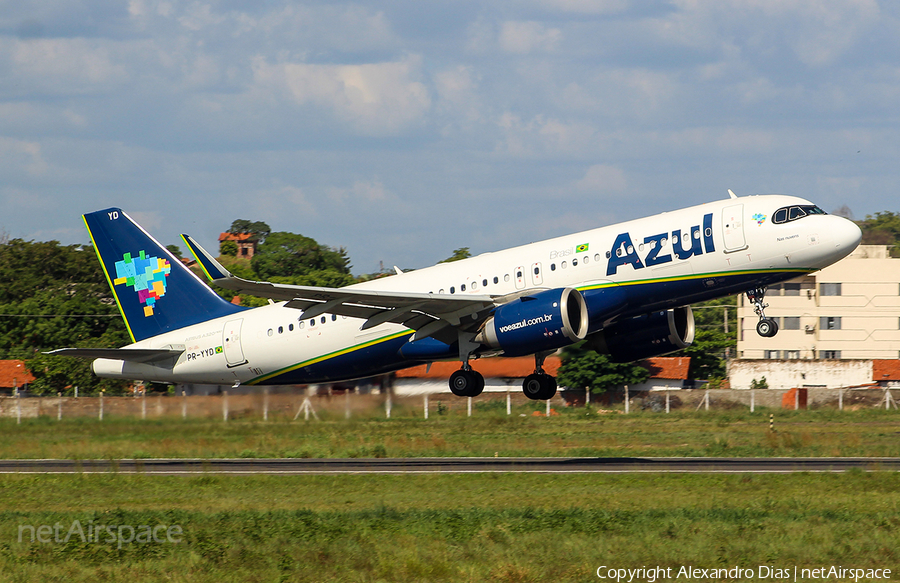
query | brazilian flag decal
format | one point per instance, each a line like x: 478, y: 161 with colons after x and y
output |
x: 582, y: 248
x: 218, y: 350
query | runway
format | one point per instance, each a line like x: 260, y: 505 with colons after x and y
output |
x: 450, y: 465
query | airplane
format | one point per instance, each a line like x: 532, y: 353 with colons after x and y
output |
x: 625, y: 288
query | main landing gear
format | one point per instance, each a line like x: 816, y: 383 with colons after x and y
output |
x: 466, y: 382
x: 539, y: 386
x: 766, y: 327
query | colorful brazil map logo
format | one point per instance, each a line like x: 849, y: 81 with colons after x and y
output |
x: 147, y: 275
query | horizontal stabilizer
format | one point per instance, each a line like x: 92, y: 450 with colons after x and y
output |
x: 127, y: 354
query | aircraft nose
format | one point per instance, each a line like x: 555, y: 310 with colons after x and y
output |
x: 845, y: 234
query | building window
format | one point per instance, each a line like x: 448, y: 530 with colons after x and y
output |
x: 792, y: 289
x: 830, y: 323
x: 771, y: 354
x: 792, y: 354
x: 831, y: 354
x: 829, y: 289
x: 791, y: 323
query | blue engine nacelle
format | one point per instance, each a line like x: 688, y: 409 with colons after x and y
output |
x: 647, y: 335
x: 543, y: 321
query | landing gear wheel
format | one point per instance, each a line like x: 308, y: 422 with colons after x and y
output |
x: 539, y: 387
x: 466, y: 383
x: 767, y: 327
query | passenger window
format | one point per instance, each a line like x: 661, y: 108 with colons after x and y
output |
x: 302, y: 325
x: 323, y: 319
x: 334, y: 317
x: 563, y: 264
x: 506, y: 278
x: 281, y: 329
x: 597, y: 257
x: 441, y: 291
x: 291, y: 327
x: 484, y: 282
x: 584, y: 259
x: 312, y: 322
x: 496, y: 279
x: 270, y: 332
x: 575, y: 262
x: 474, y: 285
x: 462, y: 288
x: 552, y: 267
x: 452, y: 290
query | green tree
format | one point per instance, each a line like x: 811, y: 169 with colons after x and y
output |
x: 55, y: 296
x: 707, y: 353
x: 175, y: 250
x: 461, y: 253
x: 228, y: 248
x: 292, y: 256
x: 882, y: 229
x: 584, y: 368
x: 245, y: 227
x: 711, y: 341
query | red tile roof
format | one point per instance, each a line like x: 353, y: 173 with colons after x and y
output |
x: 886, y: 370
x: 14, y: 373
x: 237, y: 237
x: 522, y: 366
x: 668, y: 367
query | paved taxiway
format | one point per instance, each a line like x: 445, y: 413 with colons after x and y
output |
x: 450, y: 465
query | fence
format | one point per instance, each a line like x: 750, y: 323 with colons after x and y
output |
x: 264, y: 406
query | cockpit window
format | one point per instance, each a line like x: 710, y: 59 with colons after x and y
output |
x: 792, y: 213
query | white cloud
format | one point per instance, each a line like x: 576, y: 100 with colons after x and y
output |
x: 817, y: 32
x: 603, y: 178
x: 527, y: 37
x: 21, y: 155
x: 61, y: 66
x: 585, y: 6
x: 361, y: 192
x: 370, y: 99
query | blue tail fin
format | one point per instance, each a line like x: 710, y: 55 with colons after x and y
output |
x: 156, y: 293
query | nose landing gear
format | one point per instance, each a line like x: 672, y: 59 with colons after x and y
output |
x: 766, y: 327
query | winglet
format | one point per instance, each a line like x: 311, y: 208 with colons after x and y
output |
x: 212, y: 268
x: 731, y: 194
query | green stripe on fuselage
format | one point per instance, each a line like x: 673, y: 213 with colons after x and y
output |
x: 330, y: 355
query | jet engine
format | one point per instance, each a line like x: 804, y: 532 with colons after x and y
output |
x: 647, y: 335
x: 543, y: 321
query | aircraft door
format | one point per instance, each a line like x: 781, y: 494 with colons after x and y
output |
x: 733, y: 228
x: 234, y: 354
x: 520, y: 277
x: 536, y: 276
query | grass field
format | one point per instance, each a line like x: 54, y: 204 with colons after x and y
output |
x: 575, y: 432
x: 476, y: 527
x: 447, y: 528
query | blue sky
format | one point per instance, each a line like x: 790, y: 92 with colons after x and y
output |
x: 403, y: 129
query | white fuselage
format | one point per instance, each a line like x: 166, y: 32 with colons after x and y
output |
x: 723, y: 247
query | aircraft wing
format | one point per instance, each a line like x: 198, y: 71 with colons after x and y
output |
x: 127, y: 354
x: 428, y: 314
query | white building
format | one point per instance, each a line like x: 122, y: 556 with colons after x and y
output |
x: 847, y: 311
